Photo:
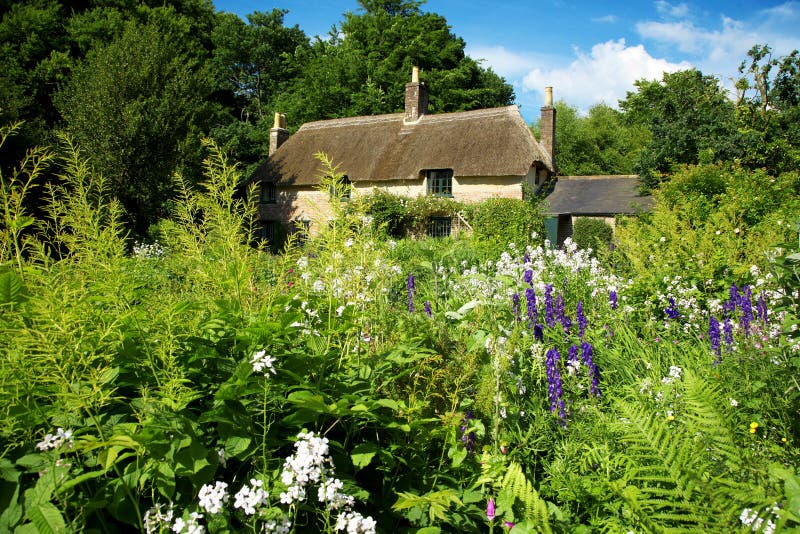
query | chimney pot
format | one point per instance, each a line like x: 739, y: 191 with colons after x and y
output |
x: 548, y: 96
x: 415, y: 74
x: 278, y: 134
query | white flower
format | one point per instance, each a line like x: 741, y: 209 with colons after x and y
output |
x: 355, y: 523
x: 190, y: 526
x: 155, y: 519
x: 248, y: 498
x: 339, y: 311
x: 348, y: 242
x: 318, y: 286
x: 223, y: 460
x: 61, y: 437
x: 663, y: 239
x: 212, y: 498
x: 734, y: 402
x: 262, y: 362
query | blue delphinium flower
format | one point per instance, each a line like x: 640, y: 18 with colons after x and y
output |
x: 554, y: 384
x: 612, y: 299
x: 761, y: 308
x: 411, y: 288
x: 468, y: 438
x: 582, y: 321
x: 428, y: 308
x: 714, y: 338
x: 745, y: 304
x: 727, y: 331
x: 729, y: 306
x: 533, y: 313
x: 549, y: 319
x: 515, y: 306
x: 528, y: 276
x: 572, y: 354
x: 594, y: 372
x: 561, y: 316
x: 526, y: 258
x: 672, y: 310
x: 538, y: 332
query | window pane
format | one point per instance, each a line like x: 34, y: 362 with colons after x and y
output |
x: 439, y: 226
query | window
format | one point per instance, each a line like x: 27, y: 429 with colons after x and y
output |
x: 266, y: 230
x: 269, y: 193
x: 440, y: 182
x: 346, y: 187
x: 439, y: 226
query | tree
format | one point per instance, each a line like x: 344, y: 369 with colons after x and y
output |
x: 363, y: 66
x: 138, y: 107
x: 689, y: 115
x: 256, y: 61
x: 599, y: 143
x: 768, y: 109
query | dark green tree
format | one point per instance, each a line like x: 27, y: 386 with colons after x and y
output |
x: 139, y: 107
x: 256, y: 60
x: 363, y: 66
x: 768, y: 109
x: 599, y: 143
x: 690, y: 118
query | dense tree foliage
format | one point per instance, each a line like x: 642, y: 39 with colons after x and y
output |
x: 689, y: 115
x: 362, y: 68
x: 599, y: 143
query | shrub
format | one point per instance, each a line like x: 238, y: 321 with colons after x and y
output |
x: 499, y: 221
x: 388, y: 212
x: 589, y: 232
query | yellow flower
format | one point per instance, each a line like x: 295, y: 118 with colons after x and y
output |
x: 784, y: 440
x: 753, y: 426
x: 670, y: 417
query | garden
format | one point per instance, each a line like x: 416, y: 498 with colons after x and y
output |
x: 359, y: 382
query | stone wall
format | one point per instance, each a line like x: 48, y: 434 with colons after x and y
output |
x: 307, y: 203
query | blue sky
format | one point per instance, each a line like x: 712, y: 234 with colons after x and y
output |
x: 589, y: 51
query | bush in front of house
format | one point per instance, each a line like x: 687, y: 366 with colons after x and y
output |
x: 388, y: 212
x: 496, y: 222
x: 588, y: 232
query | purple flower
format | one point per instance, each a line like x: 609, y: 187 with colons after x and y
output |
x: 526, y: 258
x: 554, y: 384
x: 612, y: 299
x: 515, y: 306
x: 594, y: 372
x: 572, y: 354
x: 548, y: 306
x: 528, y: 277
x: 533, y: 313
x: 411, y: 288
x: 582, y: 321
x: 468, y: 438
x: 714, y: 338
x: 490, y: 509
x: 508, y: 524
x: 729, y: 306
x: 672, y: 310
x: 761, y: 308
x: 560, y: 312
x: 538, y: 332
x: 727, y: 330
x: 428, y: 308
x: 746, y: 306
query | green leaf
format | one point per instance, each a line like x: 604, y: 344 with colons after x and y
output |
x: 236, y: 445
x: 457, y: 453
x: 47, y: 518
x: 11, y: 288
x: 308, y: 400
x: 362, y: 454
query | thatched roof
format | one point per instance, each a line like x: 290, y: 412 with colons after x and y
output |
x: 486, y: 142
x: 597, y: 195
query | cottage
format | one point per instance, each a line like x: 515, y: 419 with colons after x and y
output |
x: 469, y: 156
x: 602, y: 197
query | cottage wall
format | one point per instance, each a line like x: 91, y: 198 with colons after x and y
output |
x: 307, y: 203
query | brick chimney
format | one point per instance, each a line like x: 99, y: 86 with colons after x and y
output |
x: 416, y: 98
x: 278, y: 134
x: 548, y: 124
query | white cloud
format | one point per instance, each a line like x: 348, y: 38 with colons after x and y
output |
x: 603, y: 75
x: 677, y: 10
x: 505, y: 62
x: 606, y: 19
x: 719, y: 50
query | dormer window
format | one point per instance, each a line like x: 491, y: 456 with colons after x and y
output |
x: 440, y: 182
x: 269, y: 193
